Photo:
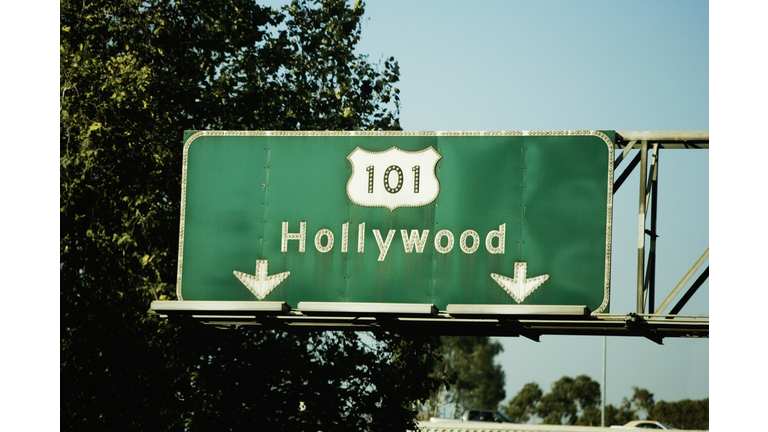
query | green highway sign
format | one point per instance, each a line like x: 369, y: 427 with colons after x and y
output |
x: 443, y: 218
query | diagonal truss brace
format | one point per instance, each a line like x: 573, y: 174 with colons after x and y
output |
x: 691, y: 291
x: 628, y: 170
x: 685, y: 280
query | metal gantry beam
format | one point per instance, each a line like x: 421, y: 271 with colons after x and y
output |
x: 666, y: 139
x: 513, y: 321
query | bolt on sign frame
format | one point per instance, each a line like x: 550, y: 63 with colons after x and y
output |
x: 501, y: 233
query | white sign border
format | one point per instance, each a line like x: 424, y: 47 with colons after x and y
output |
x: 596, y: 133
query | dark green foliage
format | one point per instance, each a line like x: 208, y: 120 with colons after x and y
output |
x: 591, y: 416
x: 577, y: 402
x: 289, y: 381
x: 567, y: 397
x: 618, y: 416
x: 684, y: 414
x: 471, y: 379
x: 522, y: 407
x: 133, y: 76
x: 630, y: 409
x: 642, y: 400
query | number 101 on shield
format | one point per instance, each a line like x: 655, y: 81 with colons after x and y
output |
x: 393, y: 178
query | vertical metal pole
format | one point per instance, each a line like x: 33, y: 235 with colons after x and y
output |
x: 602, y: 403
x: 652, y: 255
x: 641, y: 227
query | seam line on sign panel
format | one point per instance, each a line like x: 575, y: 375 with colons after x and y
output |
x: 522, y: 204
x: 435, y: 203
x: 264, y: 197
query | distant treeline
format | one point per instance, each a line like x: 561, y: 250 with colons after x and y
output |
x: 576, y: 401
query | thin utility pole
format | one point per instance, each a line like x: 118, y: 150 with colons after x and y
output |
x: 602, y: 403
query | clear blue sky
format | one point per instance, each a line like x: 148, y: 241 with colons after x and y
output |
x: 555, y: 65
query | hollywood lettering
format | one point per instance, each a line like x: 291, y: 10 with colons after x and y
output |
x: 412, y: 241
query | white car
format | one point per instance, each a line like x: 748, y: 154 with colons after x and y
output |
x: 644, y: 424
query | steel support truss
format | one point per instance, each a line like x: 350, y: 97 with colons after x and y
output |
x: 652, y: 142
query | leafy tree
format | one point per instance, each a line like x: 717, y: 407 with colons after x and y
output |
x: 471, y: 379
x: 575, y: 402
x: 558, y: 406
x: 618, y: 416
x: 629, y: 409
x: 684, y: 414
x: 586, y: 392
x: 311, y: 382
x: 522, y: 407
x: 591, y: 416
x: 642, y: 400
x: 567, y: 398
x: 133, y: 76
